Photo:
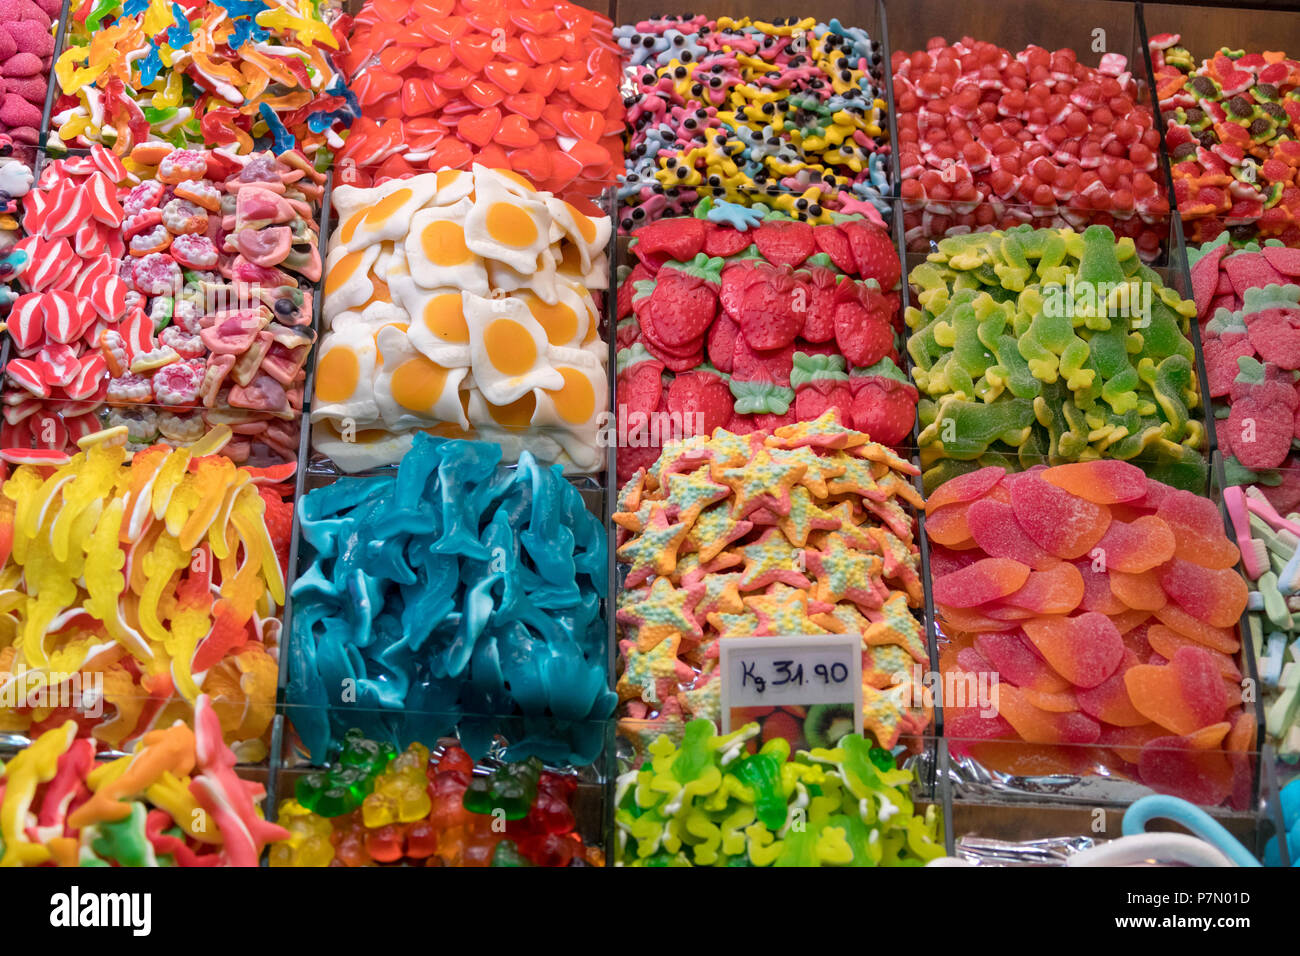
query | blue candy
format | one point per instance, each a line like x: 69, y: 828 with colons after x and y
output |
x: 457, y: 594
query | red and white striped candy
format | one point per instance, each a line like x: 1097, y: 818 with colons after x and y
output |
x: 47, y: 431
x: 101, y: 196
x: 34, y: 205
x: 25, y: 407
x: 58, y: 364
x: 34, y: 456
x: 137, y: 333
x: 86, y: 382
x: 70, y: 409
x: 68, y: 274
x: 77, y: 165
x: 66, y: 316
x: 46, y: 261
x: 107, y: 163
x: 86, y: 240
x: 113, y: 242
x: 26, y: 322
x: 68, y: 209
x: 94, y: 331
x: 27, y: 374
x: 102, y: 265
x: 108, y: 297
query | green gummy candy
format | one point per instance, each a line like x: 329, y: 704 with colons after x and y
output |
x: 124, y: 841
x: 966, y: 429
x: 756, y: 397
x: 1014, y: 270
x: 817, y: 368
x: 1067, y: 428
x: 933, y: 296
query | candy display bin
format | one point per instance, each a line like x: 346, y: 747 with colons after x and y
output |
x: 1261, y: 519
x: 997, y: 694
x: 348, y: 792
x: 758, y: 825
x: 674, y: 92
x: 1260, y: 200
x: 500, y: 123
x: 1047, y: 832
x: 1062, y: 165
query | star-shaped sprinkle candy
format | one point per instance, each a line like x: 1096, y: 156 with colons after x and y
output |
x: 822, y: 432
x: 843, y: 572
x: 714, y: 529
x: 804, y: 517
x: 659, y: 613
x: 894, y: 623
x: 820, y: 467
x: 691, y: 492
x: 772, y: 558
x: 764, y: 482
x: 654, y: 549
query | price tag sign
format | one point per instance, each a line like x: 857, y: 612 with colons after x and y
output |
x: 800, y: 671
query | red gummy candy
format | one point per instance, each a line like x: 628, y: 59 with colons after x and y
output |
x: 1054, y: 519
x: 1198, y: 528
x: 1174, y: 766
x: 787, y: 243
x: 986, y: 580
x: 967, y: 487
x: 994, y: 527
x: 1109, y: 701
x: 1019, y: 662
x: 1215, y: 596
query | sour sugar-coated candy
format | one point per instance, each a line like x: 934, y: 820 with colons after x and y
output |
x: 1126, y: 645
x: 1061, y: 523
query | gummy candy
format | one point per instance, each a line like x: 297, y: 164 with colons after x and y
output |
x: 800, y: 530
x: 423, y: 808
x: 670, y: 811
x: 456, y: 594
x: 1089, y: 358
x: 1115, y: 645
x: 173, y: 801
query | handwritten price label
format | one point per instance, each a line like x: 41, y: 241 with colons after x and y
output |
x: 791, y: 671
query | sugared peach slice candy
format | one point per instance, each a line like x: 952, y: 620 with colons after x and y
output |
x: 1215, y: 596
x: 1056, y: 520
x: 986, y: 580
x: 1085, y: 650
x: 1104, y: 481
x: 1183, y: 696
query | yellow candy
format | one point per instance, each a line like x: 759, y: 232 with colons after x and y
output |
x: 308, y: 29
x: 31, y: 768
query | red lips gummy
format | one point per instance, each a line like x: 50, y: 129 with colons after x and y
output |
x: 444, y: 85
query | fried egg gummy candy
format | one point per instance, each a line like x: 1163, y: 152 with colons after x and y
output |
x: 460, y: 303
